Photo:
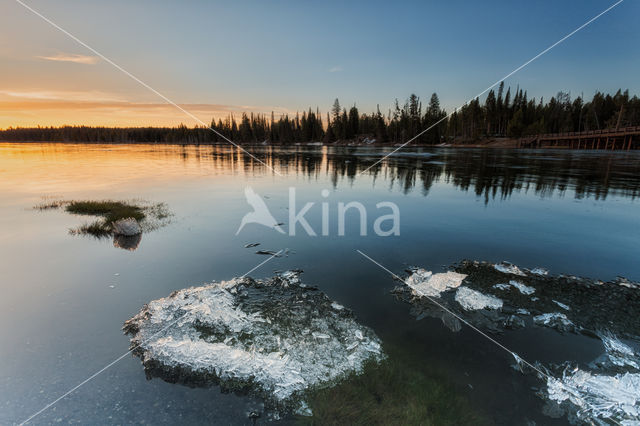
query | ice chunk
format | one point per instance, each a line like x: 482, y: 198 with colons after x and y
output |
x: 599, y: 398
x: 522, y: 287
x: 555, y: 320
x: 619, y: 353
x: 127, y: 227
x: 269, y: 337
x: 502, y: 286
x: 473, y: 300
x: 562, y: 305
x: 425, y: 283
x: 508, y: 268
x: 539, y: 271
x: 337, y: 306
x: 304, y: 410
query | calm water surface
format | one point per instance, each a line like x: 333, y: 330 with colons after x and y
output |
x: 64, y: 298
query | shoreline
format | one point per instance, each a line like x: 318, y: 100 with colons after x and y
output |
x: 511, y: 144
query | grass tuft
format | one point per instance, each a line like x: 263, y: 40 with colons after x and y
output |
x: 109, y: 209
x: 97, y: 228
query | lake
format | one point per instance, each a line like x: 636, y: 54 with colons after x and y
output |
x: 65, y: 297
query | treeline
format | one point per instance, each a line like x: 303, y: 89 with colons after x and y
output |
x: 507, y: 115
x: 502, y: 114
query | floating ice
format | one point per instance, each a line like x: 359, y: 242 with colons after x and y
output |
x: 508, y: 268
x: 602, y: 397
x: 555, y: 320
x: 275, y: 338
x: 473, y: 300
x: 522, y: 287
x: 539, y: 271
x: 562, y: 305
x: 127, y: 227
x: 425, y: 283
x: 502, y: 286
x: 599, y: 397
x: 619, y: 353
x: 337, y: 306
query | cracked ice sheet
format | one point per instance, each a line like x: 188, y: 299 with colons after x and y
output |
x: 425, y: 283
x: 599, y: 396
x: 619, y: 353
x: 275, y: 337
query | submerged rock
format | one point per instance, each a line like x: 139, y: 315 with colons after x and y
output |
x: 127, y: 242
x: 274, y: 338
x: 488, y: 296
x: 586, y: 305
x: 127, y: 227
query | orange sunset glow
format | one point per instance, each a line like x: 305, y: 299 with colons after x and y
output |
x: 30, y: 109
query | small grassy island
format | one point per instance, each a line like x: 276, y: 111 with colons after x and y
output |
x: 111, y: 212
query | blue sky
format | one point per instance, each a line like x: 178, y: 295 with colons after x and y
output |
x: 218, y: 57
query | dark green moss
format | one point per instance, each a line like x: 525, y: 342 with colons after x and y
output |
x: 109, y: 209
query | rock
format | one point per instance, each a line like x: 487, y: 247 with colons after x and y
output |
x: 127, y: 227
x: 127, y: 242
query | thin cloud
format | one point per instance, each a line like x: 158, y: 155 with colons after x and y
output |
x: 67, y: 57
x: 337, y: 68
x: 74, y: 96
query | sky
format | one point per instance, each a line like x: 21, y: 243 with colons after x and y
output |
x: 219, y: 57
